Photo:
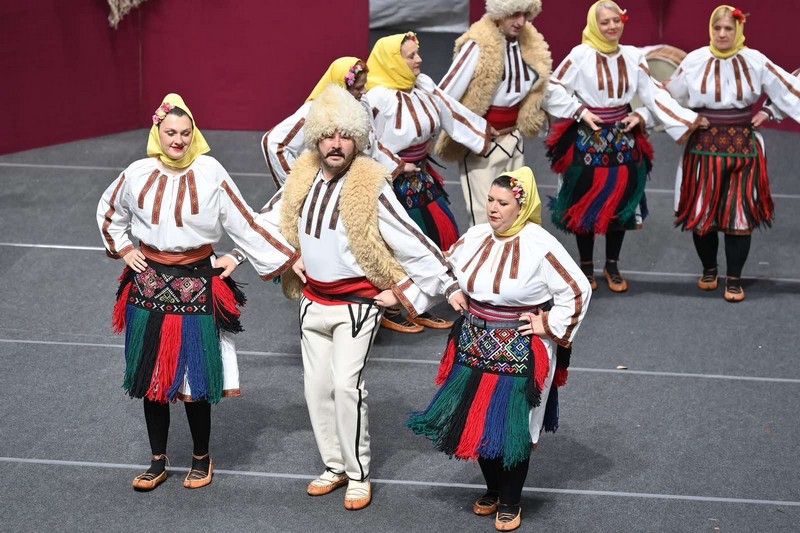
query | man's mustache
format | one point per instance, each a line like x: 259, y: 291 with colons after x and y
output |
x: 335, y: 151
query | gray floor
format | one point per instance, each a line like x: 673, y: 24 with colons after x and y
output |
x: 699, y: 434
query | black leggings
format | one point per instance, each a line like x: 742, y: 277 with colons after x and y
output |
x: 156, y: 416
x: 737, y: 248
x: 613, y: 245
x: 507, y: 483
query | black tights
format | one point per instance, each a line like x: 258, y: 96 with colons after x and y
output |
x: 613, y: 245
x: 157, y: 417
x: 505, y: 483
x: 737, y: 247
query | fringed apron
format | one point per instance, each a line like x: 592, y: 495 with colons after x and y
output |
x: 724, y: 183
x: 491, y: 377
x: 602, y: 174
x: 172, y: 316
x: 424, y: 198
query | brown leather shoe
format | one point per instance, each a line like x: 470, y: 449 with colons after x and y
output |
x: 709, y: 281
x: 734, y: 291
x: 615, y: 282
x: 147, y: 481
x: 400, y: 324
x: 486, y: 505
x: 508, y: 521
x: 197, y: 479
x: 430, y: 321
x: 587, y: 267
x: 358, y: 495
x: 326, y: 483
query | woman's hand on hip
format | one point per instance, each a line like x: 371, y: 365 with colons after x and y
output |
x: 535, y: 325
x: 135, y: 260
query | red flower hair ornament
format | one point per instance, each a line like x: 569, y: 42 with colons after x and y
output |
x: 738, y: 15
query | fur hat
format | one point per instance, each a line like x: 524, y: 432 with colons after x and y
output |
x: 499, y: 9
x: 336, y: 109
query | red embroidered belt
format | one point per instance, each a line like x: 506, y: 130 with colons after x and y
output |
x: 340, y: 292
x: 610, y: 115
x: 414, y: 153
x: 177, y: 258
x: 490, y: 314
x: 727, y: 116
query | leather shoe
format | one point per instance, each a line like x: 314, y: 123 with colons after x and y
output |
x: 326, y: 483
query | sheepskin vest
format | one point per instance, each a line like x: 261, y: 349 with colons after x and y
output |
x: 358, y: 211
x: 489, y: 74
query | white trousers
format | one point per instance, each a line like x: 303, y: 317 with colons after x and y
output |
x: 478, y: 173
x: 335, y: 353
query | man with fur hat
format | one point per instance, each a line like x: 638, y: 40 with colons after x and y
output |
x: 360, y: 252
x: 501, y: 70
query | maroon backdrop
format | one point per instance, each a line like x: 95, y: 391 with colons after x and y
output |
x: 66, y: 75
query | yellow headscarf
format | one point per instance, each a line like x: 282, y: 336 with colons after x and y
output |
x: 738, y: 42
x: 335, y: 74
x: 198, y: 147
x: 387, y: 68
x: 531, y: 210
x: 591, y: 33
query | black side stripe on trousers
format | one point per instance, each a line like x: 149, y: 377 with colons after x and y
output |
x: 375, y: 329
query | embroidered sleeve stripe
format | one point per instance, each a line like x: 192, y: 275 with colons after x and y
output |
x: 325, y: 200
x: 398, y: 119
x: 109, y: 216
x: 564, y: 341
x: 738, y: 75
x: 283, y: 144
x: 404, y: 301
x: 717, y: 83
x: 452, y: 289
x: 622, y: 70
x: 271, y: 204
x: 486, y: 242
x: 788, y: 85
x: 121, y: 253
x: 703, y: 88
x: 334, y: 215
x: 484, y: 256
x: 517, y: 71
x: 193, y: 193
x: 414, y: 230
x: 255, y: 226
x: 453, y: 248
x: 510, y: 68
x: 162, y: 184
x: 746, y: 71
x: 433, y: 104
x: 515, y: 258
x: 607, y: 70
x: 398, y: 162
x: 146, y: 188
x: 462, y: 119
x: 498, y: 276
x: 312, y: 207
x: 647, y: 70
x: 179, y: 202
x: 601, y: 84
x: 269, y: 163
x: 281, y: 269
x: 458, y: 66
x: 428, y: 113
x: 564, y: 69
x: 413, y: 110
x: 673, y: 115
x: 556, y: 82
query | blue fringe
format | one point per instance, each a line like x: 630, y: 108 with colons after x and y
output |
x: 129, y: 312
x: 183, y: 359
x: 493, y: 441
x: 192, y: 348
x: 589, y: 218
x: 551, y: 411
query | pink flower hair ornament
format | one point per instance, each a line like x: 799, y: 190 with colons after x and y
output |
x: 352, y: 74
x: 519, y: 192
x: 161, y: 112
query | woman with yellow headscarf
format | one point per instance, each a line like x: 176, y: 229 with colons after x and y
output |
x: 722, y: 182
x: 409, y: 110
x: 508, y: 355
x: 601, y: 154
x: 176, y: 301
x: 284, y: 143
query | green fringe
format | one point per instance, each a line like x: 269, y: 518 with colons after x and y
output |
x: 562, y: 201
x: 431, y: 422
x: 133, y: 353
x: 518, y: 438
x: 213, y: 358
x: 630, y: 209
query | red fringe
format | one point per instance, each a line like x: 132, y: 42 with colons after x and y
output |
x: 167, y: 359
x: 448, y: 233
x: 439, y: 179
x: 574, y: 215
x: 541, y: 362
x: 560, y: 377
x: 448, y: 357
x: 645, y: 147
x: 118, y: 320
x: 607, y: 213
x: 224, y: 298
x: 557, y: 130
x: 476, y: 419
